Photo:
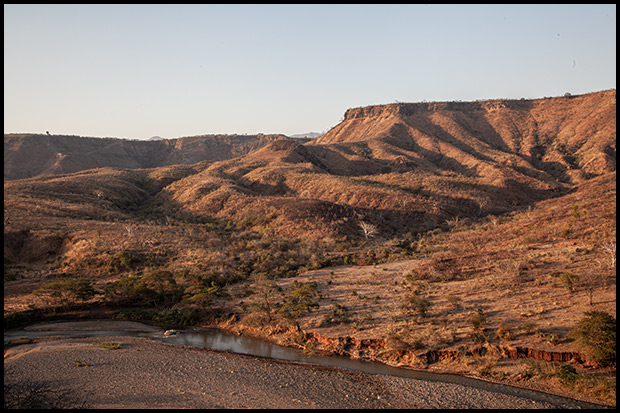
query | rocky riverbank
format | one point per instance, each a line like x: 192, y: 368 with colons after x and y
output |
x: 139, y: 372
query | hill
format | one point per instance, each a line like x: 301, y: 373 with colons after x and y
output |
x: 409, y: 168
x: 568, y: 138
x: 28, y: 155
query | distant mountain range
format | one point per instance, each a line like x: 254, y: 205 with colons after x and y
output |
x: 28, y: 155
x: 310, y: 135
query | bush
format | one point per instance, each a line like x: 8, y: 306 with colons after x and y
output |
x: 597, y: 332
x: 567, y: 373
x: 121, y: 261
x: 16, y: 319
x: 419, y: 305
x: 29, y: 394
x: 301, y: 301
x: 504, y: 332
x: 476, y: 319
x: 67, y: 291
x: 201, y: 295
x: 157, y: 287
x: 569, y: 280
x: 110, y: 345
x: 179, y: 316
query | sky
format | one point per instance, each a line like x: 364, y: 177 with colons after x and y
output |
x: 138, y: 71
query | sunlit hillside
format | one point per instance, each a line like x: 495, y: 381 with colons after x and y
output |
x: 448, y: 234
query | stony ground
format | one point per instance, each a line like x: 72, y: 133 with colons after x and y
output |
x: 144, y: 373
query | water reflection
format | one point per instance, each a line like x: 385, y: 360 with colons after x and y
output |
x: 220, y: 340
x: 224, y: 341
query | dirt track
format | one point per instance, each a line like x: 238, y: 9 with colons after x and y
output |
x: 144, y: 373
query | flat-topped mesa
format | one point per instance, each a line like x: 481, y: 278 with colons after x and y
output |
x: 407, y: 109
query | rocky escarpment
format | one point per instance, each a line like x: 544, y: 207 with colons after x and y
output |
x: 571, y: 138
x: 408, y: 109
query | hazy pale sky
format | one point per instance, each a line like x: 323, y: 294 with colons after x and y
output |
x: 136, y: 71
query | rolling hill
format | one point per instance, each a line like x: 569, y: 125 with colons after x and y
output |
x: 28, y: 155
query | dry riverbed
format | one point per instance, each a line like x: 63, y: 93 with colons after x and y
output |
x: 145, y: 373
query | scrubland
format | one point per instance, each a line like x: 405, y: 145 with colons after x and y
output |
x: 441, y: 243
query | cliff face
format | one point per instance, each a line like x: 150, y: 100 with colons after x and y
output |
x: 29, y: 155
x: 575, y: 135
x: 408, y: 109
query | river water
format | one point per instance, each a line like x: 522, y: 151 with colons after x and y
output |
x: 220, y: 340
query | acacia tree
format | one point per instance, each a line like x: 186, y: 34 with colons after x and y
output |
x: 266, y: 289
x: 590, y: 282
x: 67, y: 291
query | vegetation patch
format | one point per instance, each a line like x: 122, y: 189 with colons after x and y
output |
x: 110, y: 345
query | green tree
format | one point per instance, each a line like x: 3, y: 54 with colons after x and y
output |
x: 301, y: 300
x: 156, y: 287
x: 266, y: 289
x: 67, y: 291
x: 597, y: 333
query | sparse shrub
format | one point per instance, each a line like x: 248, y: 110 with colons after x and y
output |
x: 29, y: 394
x: 569, y: 280
x: 396, y: 342
x: 411, y: 277
x: 552, y: 339
x: 539, y: 368
x: 529, y: 326
x: 80, y: 363
x: 567, y: 373
x: 504, y: 332
x: 478, y: 337
x: 419, y: 305
x: 597, y: 333
x: 599, y: 387
x: 338, y: 315
x: 476, y: 319
x: 454, y: 300
x: 590, y: 282
x: 609, y: 248
x: 110, y: 345
x: 369, y: 230
x: 567, y: 231
x: 417, y: 344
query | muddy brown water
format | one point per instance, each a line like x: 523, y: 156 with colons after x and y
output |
x: 220, y: 340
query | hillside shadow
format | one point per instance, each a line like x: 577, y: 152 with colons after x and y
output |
x: 332, y: 161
